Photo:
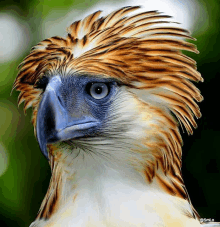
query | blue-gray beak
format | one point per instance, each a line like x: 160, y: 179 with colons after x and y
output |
x: 56, y: 121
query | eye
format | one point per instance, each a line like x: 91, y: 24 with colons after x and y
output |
x: 98, y: 90
x: 42, y: 83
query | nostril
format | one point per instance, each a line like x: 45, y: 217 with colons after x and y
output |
x: 60, y: 100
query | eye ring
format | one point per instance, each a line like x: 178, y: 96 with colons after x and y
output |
x: 99, y: 90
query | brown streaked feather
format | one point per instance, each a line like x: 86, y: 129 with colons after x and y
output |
x: 89, y: 21
x: 117, y: 15
x: 177, y: 188
x: 74, y: 28
x: 167, y: 44
x: 52, y: 199
x: 146, y: 21
x: 136, y: 17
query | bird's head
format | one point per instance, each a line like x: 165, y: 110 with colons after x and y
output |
x: 115, y: 88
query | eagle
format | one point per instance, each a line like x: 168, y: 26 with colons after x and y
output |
x: 108, y: 101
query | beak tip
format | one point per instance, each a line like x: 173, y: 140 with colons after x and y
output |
x: 42, y: 142
x: 43, y: 147
x: 44, y: 151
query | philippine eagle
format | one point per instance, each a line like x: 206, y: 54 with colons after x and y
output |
x: 107, y: 104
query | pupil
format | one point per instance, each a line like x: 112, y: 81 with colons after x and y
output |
x: 98, y: 90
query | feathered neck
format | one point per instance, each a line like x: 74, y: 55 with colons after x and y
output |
x: 80, y: 178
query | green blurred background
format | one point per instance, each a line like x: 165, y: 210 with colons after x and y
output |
x: 25, y: 173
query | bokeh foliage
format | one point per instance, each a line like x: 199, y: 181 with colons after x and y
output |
x: 24, y: 184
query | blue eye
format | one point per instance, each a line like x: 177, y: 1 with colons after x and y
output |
x: 99, y: 90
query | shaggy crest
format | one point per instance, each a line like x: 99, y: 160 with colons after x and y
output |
x: 132, y: 48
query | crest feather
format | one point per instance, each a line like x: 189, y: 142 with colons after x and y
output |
x: 135, y: 49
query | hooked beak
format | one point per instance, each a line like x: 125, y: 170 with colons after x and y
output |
x: 55, y: 123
